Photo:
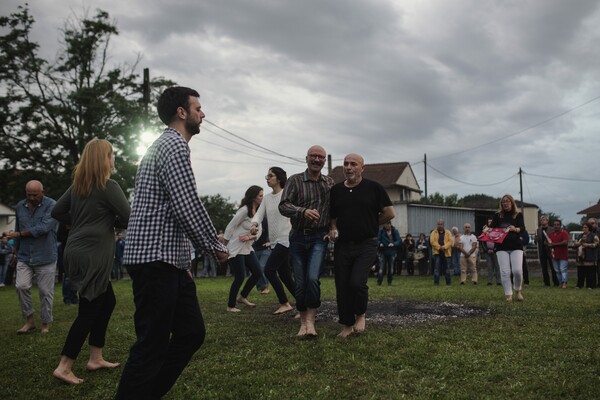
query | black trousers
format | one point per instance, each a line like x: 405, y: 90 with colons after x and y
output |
x: 169, y: 328
x: 586, y: 274
x: 239, y: 264
x: 92, y: 319
x: 277, y: 270
x: 353, y: 262
x: 547, y: 269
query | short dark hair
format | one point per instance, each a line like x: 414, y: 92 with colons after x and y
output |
x: 173, y: 98
x: 280, y: 174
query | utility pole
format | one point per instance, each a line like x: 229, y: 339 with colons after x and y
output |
x: 146, y: 89
x: 328, y: 164
x: 521, y: 193
x: 425, y: 163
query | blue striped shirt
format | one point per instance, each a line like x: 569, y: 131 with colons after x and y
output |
x: 166, y: 209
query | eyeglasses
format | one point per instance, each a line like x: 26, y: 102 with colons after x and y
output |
x: 316, y: 156
x: 269, y: 176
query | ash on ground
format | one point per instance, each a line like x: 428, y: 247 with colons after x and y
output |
x: 406, y: 313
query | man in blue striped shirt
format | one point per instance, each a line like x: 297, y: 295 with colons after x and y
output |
x: 166, y: 215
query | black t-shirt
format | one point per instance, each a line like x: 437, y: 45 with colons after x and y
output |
x: 512, y: 241
x: 357, y: 209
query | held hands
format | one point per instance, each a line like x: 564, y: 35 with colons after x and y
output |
x: 332, y: 235
x: 222, y: 257
x: 245, y: 238
x: 254, y: 229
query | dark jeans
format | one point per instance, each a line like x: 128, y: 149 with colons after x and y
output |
x: 278, y: 270
x: 92, y: 319
x: 169, y: 328
x: 386, y: 262
x: 239, y: 264
x: 547, y: 269
x: 352, y: 265
x: 117, y: 272
x: 68, y: 293
x: 440, y: 266
x: 307, y: 254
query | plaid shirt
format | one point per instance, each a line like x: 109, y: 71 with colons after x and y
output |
x: 302, y: 193
x: 166, y: 208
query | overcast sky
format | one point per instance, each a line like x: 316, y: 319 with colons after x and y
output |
x: 460, y: 81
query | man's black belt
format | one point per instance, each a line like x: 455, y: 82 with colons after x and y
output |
x: 312, y: 231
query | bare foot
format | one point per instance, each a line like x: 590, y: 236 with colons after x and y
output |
x: 25, y: 329
x: 99, y: 364
x: 509, y: 298
x: 283, y: 309
x: 302, y: 332
x: 520, y: 296
x: 297, y: 316
x: 245, y: 301
x: 233, y: 309
x: 66, y: 376
x: 360, y: 323
x: 310, y: 329
x: 347, y: 331
x: 45, y: 328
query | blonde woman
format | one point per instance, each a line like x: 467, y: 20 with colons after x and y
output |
x: 93, y: 206
x: 510, y: 251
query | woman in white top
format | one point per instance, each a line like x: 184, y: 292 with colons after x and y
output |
x: 239, y: 243
x: 279, y: 233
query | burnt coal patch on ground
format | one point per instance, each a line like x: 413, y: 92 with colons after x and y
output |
x: 405, y: 313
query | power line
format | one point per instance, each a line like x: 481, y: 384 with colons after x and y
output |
x: 563, y: 179
x: 519, y: 132
x: 468, y: 183
x: 252, y: 143
x: 232, y: 141
x: 243, y: 152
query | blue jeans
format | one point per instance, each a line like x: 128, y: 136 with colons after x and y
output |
x: 440, y: 264
x: 307, y: 254
x: 560, y: 267
x: 456, y: 261
x: 386, y: 261
x: 262, y: 255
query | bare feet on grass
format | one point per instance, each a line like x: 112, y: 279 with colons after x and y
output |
x: 28, y: 327
x: 66, y: 376
x: 283, y: 309
x: 245, y: 302
x: 347, y: 331
x: 99, y: 364
x: 360, y: 324
x: 25, y: 329
x: 64, y: 371
x: 45, y: 328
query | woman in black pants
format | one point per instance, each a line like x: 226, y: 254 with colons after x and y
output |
x: 277, y: 268
x: 239, y: 239
x: 93, y: 206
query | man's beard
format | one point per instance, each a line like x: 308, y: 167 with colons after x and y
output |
x: 191, y: 127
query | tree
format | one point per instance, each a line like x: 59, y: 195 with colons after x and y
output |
x: 49, y: 111
x: 479, y: 201
x: 439, y: 199
x: 220, y: 210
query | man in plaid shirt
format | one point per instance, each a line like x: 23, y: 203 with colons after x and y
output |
x: 166, y: 213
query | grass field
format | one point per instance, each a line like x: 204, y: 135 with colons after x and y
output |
x: 545, y: 348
